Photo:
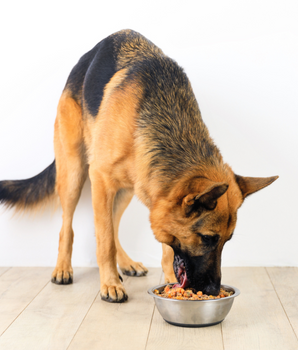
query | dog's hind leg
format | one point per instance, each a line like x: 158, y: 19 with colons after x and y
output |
x: 126, y: 264
x: 71, y: 175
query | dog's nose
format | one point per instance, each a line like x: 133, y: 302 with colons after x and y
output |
x: 212, y: 289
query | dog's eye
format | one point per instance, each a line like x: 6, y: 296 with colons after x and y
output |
x: 209, y: 239
x: 206, y: 239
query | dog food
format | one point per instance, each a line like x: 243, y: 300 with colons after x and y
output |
x: 189, y: 294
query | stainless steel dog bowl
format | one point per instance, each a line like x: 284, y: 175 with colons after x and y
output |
x: 194, y: 313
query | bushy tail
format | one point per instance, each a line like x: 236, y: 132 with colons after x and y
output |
x: 29, y: 193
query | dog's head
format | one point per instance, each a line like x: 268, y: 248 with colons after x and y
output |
x: 196, y: 219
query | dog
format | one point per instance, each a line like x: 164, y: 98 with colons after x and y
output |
x: 129, y: 119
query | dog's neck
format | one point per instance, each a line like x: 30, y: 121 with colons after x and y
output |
x: 169, y: 188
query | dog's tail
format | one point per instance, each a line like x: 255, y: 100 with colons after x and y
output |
x: 29, y: 193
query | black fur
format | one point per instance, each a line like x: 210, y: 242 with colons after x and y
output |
x: 30, y: 191
x: 171, y: 116
x: 210, y: 241
x: 202, y: 275
x: 77, y: 75
x: 90, y: 75
x: 99, y: 73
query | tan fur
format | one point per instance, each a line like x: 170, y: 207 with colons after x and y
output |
x: 71, y: 174
x: 126, y: 264
x: 167, y: 264
x: 116, y: 160
x: 127, y: 53
x: 110, y: 149
x: 117, y: 153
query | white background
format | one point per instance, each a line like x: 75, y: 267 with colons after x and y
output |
x: 241, y: 58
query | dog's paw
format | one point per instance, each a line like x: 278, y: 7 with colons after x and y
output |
x: 62, y: 276
x: 113, y: 294
x: 136, y: 269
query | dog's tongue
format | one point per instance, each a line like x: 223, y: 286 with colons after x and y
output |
x: 182, y: 277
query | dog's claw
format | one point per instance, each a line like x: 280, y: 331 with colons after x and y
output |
x: 110, y: 300
x: 134, y: 273
x: 135, y: 270
x: 62, y: 281
x: 62, y: 277
x: 113, y: 294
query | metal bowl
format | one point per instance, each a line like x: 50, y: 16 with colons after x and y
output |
x: 194, y: 313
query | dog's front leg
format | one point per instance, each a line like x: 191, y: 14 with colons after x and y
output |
x: 167, y: 263
x: 103, y: 193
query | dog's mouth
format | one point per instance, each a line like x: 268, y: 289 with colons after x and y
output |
x: 180, y: 272
x: 191, y: 272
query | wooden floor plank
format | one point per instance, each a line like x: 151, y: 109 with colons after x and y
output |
x: 285, y: 281
x: 3, y: 270
x: 119, y: 326
x: 36, y: 314
x: 257, y: 320
x: 53, y: 317
x: 165, y: 336
x: 18, y: 287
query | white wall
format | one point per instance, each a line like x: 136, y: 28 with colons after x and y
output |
x: 241, y: 57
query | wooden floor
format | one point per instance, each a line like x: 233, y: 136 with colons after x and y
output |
x: 36, y: 314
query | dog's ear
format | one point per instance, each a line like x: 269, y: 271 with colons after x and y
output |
x: 249, y: 185
x: 206, y: 199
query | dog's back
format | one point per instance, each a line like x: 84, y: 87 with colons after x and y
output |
x: 169, y: 120
x: 169, y: 135
x: 95, y: 69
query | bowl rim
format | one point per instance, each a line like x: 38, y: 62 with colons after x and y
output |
x: 150, y: 291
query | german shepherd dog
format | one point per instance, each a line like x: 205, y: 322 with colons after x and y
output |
x: 129, y: 119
